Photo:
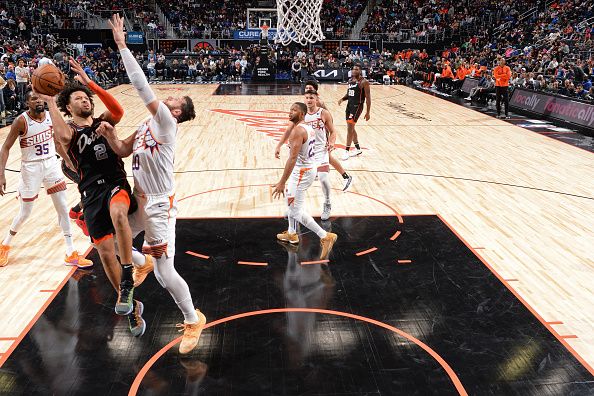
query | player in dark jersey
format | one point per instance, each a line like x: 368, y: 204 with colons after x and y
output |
x: 105, y: 192
x: 357, y: 93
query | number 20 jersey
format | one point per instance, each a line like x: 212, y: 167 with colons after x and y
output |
x: 37, y: 142
x: 92, y: 156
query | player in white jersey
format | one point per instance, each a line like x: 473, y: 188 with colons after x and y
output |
x: 152, y: 147
x: 298, y: 176
x: 39, y: 165
x: 321, y: 121
x: 323, y: 162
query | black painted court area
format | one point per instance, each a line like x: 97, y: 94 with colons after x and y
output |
x: 445, y: 297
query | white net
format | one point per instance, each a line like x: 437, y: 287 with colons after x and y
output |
x: 298, y: 21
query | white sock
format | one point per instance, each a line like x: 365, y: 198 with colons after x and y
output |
x: 325, y: 182
x: 309, y: 222
x: 62, y: 208
x: 170, y: 279
x: 19, y: 220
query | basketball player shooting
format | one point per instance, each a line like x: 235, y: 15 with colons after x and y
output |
x: 299, y: 173
x: 358, y: 92
x: 39, y: 165
x: 152, y: 147
x: 105, y: 193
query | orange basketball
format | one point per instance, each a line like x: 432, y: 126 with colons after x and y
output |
x: 48, y: 80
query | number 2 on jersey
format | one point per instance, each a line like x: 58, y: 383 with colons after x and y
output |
x: 100, y: 151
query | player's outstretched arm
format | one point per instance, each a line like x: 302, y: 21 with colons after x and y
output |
x: 283, y: 139
x: 133, y: 69
x: 15, y: 130
x: 115, y: 111
x: 122, y: 148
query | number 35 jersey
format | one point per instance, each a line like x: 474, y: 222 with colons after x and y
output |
x: 92, y: 156
x: 37, y: 141
x: 153, y: 154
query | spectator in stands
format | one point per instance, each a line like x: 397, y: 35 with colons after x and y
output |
x: 162, y: 71
x: 22, y: 80
x: 486, y: 85
x: 10, y: 97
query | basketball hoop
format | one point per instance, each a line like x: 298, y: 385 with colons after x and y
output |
x: 298, y: 21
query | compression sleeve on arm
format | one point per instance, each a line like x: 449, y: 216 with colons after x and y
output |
x: 114, y: 107
x: 137, y: 77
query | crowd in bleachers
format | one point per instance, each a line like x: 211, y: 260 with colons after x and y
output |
x: 552, y: 51
x: 219, y: 18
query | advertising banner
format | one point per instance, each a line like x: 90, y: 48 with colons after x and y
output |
x: 560, y: 108
x: 330, y: 74
x: 252, y: 34
x: 135, y: 38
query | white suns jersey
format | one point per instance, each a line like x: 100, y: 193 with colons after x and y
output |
x: 317, y: 123
x: 305, y: 158
x: 152, y: 159
x: 37, y: 142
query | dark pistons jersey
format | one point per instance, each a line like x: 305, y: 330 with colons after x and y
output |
x: 356, y: 93
x: 93, y: 158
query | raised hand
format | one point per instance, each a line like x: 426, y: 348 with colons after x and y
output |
x: 117, y: 28
x: 81, y: 76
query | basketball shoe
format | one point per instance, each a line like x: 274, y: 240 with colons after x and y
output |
x: 4, y: 255
x: 139, y: 273
x: 135, y: 320
x: 347, y: 183
x: 356, y: 152
x: 77, y: 260
x: 327, y: 242
x: 192, y: 333
x: 124, y: 304
x: 286, y: 237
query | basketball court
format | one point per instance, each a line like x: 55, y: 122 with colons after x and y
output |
x: 463, y: 265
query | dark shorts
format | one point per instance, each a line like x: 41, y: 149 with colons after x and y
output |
x: 96, y: 200
x: 353, y: 113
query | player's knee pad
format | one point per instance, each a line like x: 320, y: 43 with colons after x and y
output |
x: 25, y: 210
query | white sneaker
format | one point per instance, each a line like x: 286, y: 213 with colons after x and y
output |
x: 346, y: 155
x: 468, y: 98
x: 356, y: 152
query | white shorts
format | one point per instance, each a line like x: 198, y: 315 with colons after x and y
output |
x: 299, y: 181
x: 322, y: 160
x: 47, y: 171
x: 156, y: 216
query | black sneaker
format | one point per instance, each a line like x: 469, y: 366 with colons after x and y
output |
x: 347, y: 183
x: 135, y: 320
x: 124, y: 304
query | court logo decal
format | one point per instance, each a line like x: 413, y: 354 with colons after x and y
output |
x: 271, y: 123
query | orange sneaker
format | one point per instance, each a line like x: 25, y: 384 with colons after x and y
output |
x: 139, y: 273
x: 192, y: 333
x: 4, y: 255
x: 327, y: 244
x: 77, y: 260
x: 285, y: 236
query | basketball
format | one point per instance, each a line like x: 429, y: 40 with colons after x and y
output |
x: 48, y: 80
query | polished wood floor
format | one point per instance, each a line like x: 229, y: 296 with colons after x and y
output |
x: 524, y: 202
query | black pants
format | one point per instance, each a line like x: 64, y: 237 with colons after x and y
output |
x: 501, y: 92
